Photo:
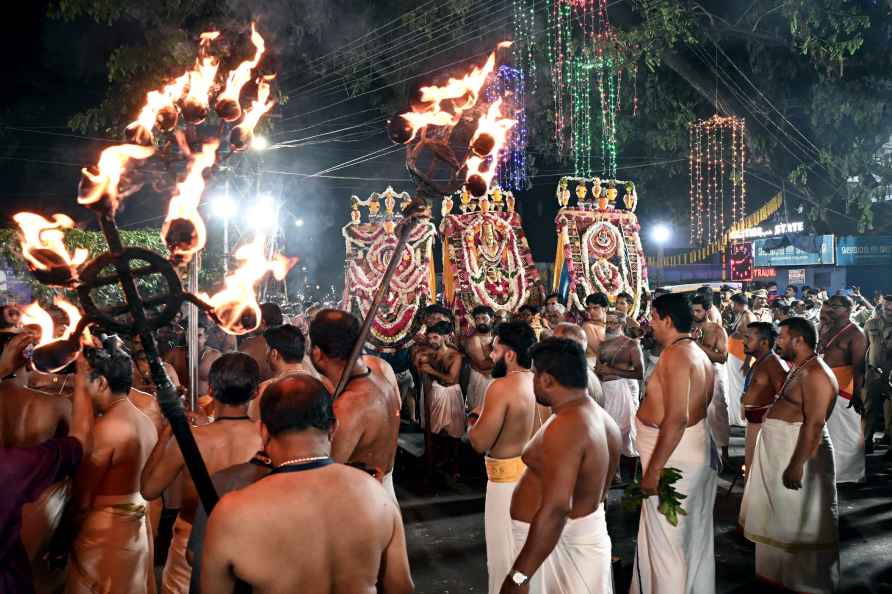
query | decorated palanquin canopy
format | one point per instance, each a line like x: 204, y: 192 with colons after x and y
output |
x: 486, y: 257
x: 370, y: 246
x: 598, y: 243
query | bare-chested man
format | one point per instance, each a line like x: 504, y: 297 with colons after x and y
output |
x: 112, y: 550
x: 142, y: 374
x: 255, y: 346
x: 620, y: 367
x: 368, y: 410
x: 558, y: 505
x: 738, y: 363
x: 713, y: 314
x: 877, y: 386
x: 179, y: 358
x: 287, y: 347
x: 763, y: 381
x: 790, y: 497
x: 596, y: 306
x: 843, y: 346
x: 442, y: 365
x: 231, y: 439
x: 347, y: 530
x: 478, y: 348
x: 505, y: 424
x: 673, y: 433
x: 575, y: 333
x: 713, y: 339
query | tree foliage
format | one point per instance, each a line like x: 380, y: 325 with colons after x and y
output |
x: 812, y: 77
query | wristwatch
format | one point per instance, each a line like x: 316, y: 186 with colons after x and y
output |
x: 519, y: 578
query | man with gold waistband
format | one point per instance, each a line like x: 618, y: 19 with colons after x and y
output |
x: 557, y: 510
x: 112, y: 551
x: 503, y: 427
x: 843, y: 345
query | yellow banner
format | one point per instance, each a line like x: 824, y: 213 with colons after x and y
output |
x: 700, y: 254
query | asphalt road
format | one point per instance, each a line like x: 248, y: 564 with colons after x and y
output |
x: 447, y: 553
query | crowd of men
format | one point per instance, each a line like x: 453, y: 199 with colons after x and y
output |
x: 562, y: 405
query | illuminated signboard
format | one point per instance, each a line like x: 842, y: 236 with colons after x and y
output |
x: 793, y: 256
x: 764, y: 273
x: 779, y: 229
x: 742, y: 261
x: 864, y: 250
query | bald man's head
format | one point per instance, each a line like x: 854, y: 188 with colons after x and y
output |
x: 335, y: 332
x: 572, y: 332
x: 296, y: 403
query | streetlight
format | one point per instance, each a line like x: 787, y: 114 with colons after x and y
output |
x: 299, y: 223
x: 660, y: 234
x: 264, y: 214
x: 260, y: 143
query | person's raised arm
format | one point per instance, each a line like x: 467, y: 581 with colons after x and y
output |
x: 163, y: 466
x: 394, y: 576
x: 558, y: 484
x: 82, y: 407
x: 818, y: 393
x: 485, y: 431
x: 675, y: 380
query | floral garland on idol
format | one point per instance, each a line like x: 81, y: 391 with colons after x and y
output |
x: 370, y: 246
x: 486, y: 257
x: 599, y: 248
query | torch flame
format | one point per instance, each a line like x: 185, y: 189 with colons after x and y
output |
x: 34, y: 315
x: 38, y: 234
x: 236, y: 303
x: 258, y: 107
x: 111, y: 166
x: 157, y: 100
x: 201, y: 78
x: 462, y: 92
x: 185, y: 201
x: 241, y: 74
x: 496, y: 128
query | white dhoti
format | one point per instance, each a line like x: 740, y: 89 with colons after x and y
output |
x: 387, y: 483
x: 847, y: 437
x: 503, y: 476
x: 477, y: 386
x: 622, y: 406
x: 718, y: 414
x: 177, y: 571
x: 679, y: 559
x: 734, y: 390
x: 447, y: 410
x: 579, y: 563
x: 112, y: 552
x: 40, y: 520
x: 795, y: 532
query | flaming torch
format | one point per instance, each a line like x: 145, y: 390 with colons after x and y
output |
x: 159, y: 110
x: 201, y: 79
x: 51, y: 353
x: 228, y: 107
x: 241, y: 136
x: 99, y: 187
x: 44, y: 250
x: 184, y: 231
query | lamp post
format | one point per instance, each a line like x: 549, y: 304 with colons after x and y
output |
x: 225, y: 208
x: 660, y: 234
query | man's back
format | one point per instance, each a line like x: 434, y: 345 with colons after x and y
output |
x: 320, y: 531
x: 368, y: 413
x: 29, y: 417
x: 513, y: 393
x: 124, y: 438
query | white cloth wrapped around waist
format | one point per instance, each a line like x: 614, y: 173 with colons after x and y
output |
x: 803, y: 519
x: 847, y: 438
x: 177, y: 570
x: 503, y: 476
x: 112, y: 551
x: 579, y: 563
x: 447, y: 408
x: 478, y: 383
x: 621, y: 403
x: 679, y: 559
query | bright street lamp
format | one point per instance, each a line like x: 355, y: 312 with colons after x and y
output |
x: 260, y: 143
x: 660, y: 234
x: 264, y: 214
x: 299, y: 223
x: 224, y: 206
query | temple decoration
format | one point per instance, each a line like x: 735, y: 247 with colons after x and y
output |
x: 717, y: 177
x: 486, y: 257
x: 598, y: 244
x: 370, y: 245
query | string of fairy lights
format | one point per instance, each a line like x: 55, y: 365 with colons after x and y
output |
x: 717, y: 181
x: 510, y: 85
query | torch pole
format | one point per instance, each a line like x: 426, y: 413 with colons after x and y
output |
x: 194, y: 268
x: 167, y: 397
x: 405, y: 230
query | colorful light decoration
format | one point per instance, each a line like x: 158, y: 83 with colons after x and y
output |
x: 509, y: 85
x: 524, y: 48
x: 717, y: 177
x: 586, y: 57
